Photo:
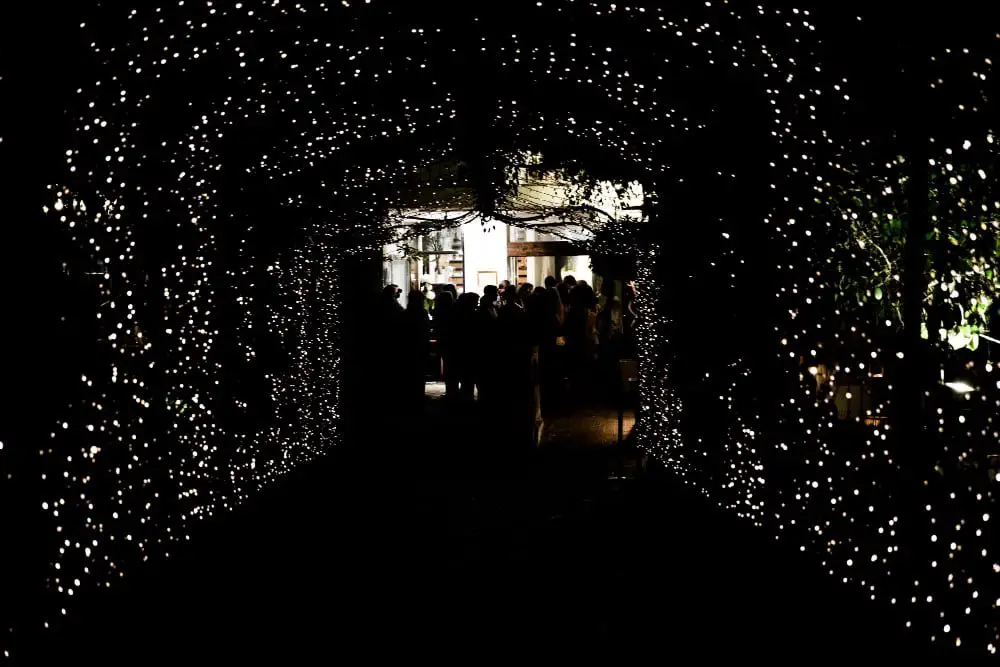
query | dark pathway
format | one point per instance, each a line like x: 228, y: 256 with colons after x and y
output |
x: 411, y: 551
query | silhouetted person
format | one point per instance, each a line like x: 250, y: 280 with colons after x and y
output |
x: 549, y: 350
x: 535, y: 307
x: 561, y: 356
x: 488, y: 304
x: 550, y: 282
x: 444, y: 324
x: 563, y: 290
x: 390, y: 298
x: 610, y: 318
x: 511, y: 312
x: 523, y: 292
x: 514, y: 380
x: 386, y: 341
x: 581, y: 335
x: 486, y: 363
x: 416, y: 341
x: 464, y: 341
x: 511, y: 296
x: 570, y: 281
x: 610, y: 334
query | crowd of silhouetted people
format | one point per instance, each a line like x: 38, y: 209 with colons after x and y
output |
x: 525, y: 350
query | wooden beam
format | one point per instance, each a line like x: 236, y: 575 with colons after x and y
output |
x: 543, y: 249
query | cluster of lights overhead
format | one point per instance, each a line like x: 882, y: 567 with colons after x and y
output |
x: 230, y: 154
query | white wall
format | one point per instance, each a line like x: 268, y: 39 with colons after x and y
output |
x: 580, y: 269
x: 485, y: 250
x: 539, y: 268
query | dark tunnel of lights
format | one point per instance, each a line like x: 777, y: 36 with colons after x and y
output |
x: 306, y: 128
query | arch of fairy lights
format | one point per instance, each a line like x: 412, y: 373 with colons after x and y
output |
x: 205, y: 328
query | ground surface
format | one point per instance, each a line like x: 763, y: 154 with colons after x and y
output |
x: 439, y: 546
